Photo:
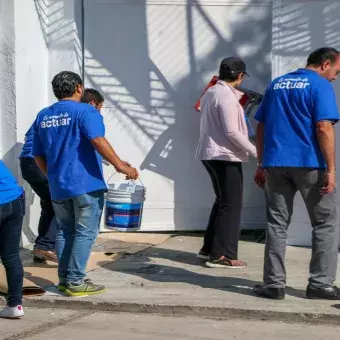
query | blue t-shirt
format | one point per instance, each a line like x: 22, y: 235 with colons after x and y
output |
x: 27, y: 147
x: 9, y: 188
x: 62, y: 134
x: 291, y: 107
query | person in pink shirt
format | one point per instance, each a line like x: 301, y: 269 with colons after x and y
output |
x: 223, y: 146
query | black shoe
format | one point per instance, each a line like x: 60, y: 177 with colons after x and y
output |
x: 203, y: 255
x: 269, y: 293
x: 331, y: 293
x: 37, y: 259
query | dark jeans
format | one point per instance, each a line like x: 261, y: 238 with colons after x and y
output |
x: 39, y: 183
x: 222, y: 235
x: 11, y: 217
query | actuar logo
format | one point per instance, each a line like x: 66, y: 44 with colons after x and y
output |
x: 54, y: 121
x: 291, y: 83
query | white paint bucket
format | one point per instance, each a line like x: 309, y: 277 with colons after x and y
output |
x: 124, y: 207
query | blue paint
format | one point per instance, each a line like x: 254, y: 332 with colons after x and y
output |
x: 123, y: 215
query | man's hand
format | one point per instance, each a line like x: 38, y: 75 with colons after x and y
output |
x: 126, y: 163
x: 131, y: 173
x: 128, y: 170
x: 260, y: 178
x: 330, y: 183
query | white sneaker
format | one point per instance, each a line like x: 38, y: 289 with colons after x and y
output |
x: 12, y: 312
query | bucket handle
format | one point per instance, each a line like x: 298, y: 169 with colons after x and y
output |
x: 114, y: 173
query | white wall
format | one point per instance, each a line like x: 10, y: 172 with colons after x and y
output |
x: 38, y: 38
x: 7, y: 85
x: 151, y: 69
x: 299, y: 27
x: 31, y: 72
x: 63, y: 31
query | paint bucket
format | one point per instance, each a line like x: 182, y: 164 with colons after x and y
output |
x: 124, y: 206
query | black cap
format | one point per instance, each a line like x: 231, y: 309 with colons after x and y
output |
x: 234, y: 65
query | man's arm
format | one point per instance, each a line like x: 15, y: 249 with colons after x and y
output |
x: 107, y: 152
x: 260, y: 116
x: 325, y: 114
x: 326, y: 138
x: 259, y: 142
x: 41, y: 162
x: 38, y: 150
x: 92, y: 126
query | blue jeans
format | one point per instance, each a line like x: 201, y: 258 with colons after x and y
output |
x: 11, y: 217
x: 78, y: 221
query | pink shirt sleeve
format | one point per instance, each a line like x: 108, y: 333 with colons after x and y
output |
x: 229, y: 113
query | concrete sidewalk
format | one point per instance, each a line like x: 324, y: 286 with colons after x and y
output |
x: 56, y: 324
x: 169, y: 280
x: 71, y: 325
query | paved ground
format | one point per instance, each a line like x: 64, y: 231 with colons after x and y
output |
x: 169, y: 279
x: 68, y: 325
x: 34, y: 320
x: 152, y: 288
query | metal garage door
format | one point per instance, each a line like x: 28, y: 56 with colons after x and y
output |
x: 151, y: 59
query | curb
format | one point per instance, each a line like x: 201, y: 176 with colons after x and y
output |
x: 186, y: 310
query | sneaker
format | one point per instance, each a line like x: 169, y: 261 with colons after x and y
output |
x: 224, y: 262
x: 61, y: 287
x: 331, y: 293
x: 269, y: 293
x: 37, y: 259
x: 40, y: 255
x: 86, y: 288
x: 203, y: 255
x: 12, y: 312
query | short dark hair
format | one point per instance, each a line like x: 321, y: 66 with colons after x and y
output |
x: 319, y: 56
x: 92, y: 95
x: 226, y: 75
x: 65, y: 83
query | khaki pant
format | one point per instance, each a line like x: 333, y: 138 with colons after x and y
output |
x: 281, y: 186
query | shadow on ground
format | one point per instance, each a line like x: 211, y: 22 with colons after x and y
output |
x: 142, y: 266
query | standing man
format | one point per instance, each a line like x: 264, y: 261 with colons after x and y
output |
x: 296, y: 148
x: 44, y: 247
x: 68, y: 139
x: 94, y: 98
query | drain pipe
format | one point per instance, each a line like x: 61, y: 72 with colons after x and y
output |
x: 83, y: 40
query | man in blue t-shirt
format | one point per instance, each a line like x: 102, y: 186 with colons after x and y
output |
x: 296, y: 148
x: 44, y: 245
x: 68, y: 145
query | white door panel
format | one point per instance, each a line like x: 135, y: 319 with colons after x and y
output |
x: 152, y: 60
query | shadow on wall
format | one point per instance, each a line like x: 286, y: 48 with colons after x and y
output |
x: 153, y: 71
x: 11, y: 159
x: 151, y: 74
x: 300, y: 28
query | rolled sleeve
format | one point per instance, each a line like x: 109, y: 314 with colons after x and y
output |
x: 92, y: 124
x: 324, y: 103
